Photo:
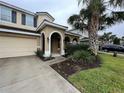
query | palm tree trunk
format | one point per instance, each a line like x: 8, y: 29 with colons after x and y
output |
x: 93, y: 37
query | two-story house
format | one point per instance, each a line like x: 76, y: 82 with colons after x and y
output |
x: 23, y: 32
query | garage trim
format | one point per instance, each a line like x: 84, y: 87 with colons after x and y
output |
x: 19, y: 32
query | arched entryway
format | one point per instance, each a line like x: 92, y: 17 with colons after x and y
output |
x: 43, y: 42
x: 55, y: 44
x: 75, y: 41
x: 67, y: 40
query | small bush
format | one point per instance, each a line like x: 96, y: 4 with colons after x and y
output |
x: 83, y: 56
x: 39, y: 53
x: 70, y: 48
x: 115, y: 54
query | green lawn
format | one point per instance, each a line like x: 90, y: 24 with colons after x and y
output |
x: 107, y: 79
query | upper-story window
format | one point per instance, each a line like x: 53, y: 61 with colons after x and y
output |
x: 28, y: 20
x: 10, y: 15
x: 5, y: 14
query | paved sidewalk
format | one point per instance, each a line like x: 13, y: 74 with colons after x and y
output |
x: 56, y: 60
x: 31, y: 75
x: 110, y: 53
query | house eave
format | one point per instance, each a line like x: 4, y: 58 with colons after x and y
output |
x: 47, y: 23
x: 73, y: 34
x: 16, y: 8
x: 18, y: 32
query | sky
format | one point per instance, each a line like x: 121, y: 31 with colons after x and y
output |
x: 61, y: 10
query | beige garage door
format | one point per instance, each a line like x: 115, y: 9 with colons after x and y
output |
x: 17, y: 46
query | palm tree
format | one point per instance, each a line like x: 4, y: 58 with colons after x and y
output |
x: 112, y: 38
x: 95, y: 17
x: 107, y: 38
x: 122, y: 39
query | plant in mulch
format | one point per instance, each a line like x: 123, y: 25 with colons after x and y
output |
x: 79, y: 60
x: 115, y: 54
x: 85, y: 57
x: 40, y: 54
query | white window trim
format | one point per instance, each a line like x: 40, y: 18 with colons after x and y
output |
x: 9, y: 12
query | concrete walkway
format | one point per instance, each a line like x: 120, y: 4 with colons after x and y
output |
x: 111, y: 53
x: 31, y: 75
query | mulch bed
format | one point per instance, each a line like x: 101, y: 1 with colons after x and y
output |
x: 69, y: 67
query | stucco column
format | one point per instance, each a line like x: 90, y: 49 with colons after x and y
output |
x: 47, y: 50
x: 62, y: 46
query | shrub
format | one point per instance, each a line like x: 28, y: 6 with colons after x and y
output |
x: 115, y: 54
x: 70, y: 48
x: 83, y: 56
x: 116, y: 41
x: 39, y: 53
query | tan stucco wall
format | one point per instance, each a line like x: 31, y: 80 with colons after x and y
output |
x: 12, y: 45
x: 48, y: 30
x: 41, y: 18
x: 18, y: 24
x: 73, y: 37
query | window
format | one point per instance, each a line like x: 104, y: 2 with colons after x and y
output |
x: 29, y: 20
x: 35, y: 22
x: 14, y: 16
x: 5, y: 14
x: 23, y: 19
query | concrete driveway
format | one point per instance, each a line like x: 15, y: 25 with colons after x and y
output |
x: 31, y: 75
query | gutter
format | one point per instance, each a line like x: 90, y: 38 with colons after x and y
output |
x: 18, y: 32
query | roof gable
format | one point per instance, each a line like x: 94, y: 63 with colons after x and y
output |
x: 48, y: 23
x: 45, y: 13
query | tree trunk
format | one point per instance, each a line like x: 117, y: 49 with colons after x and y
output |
x: 93, y: 37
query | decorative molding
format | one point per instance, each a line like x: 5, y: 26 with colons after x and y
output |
x: 47, y: 54
x: 62, y: 42
x: 63, y: 52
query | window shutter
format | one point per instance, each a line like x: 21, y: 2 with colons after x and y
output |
x: 14, y: 16
x: 23, y: 19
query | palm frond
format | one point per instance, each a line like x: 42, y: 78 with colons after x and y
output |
x: 117, y: 3
x: 77, y: 22
x: 118, y: 16
x: 85, y: 14
x: 73, y: 19
x: 83, y: 2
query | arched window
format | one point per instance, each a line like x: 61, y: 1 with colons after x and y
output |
x: 67, y: 40
x: 75, y: 41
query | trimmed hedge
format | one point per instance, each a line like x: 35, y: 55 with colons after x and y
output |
x: 83, y: 56
x: 70, y: 48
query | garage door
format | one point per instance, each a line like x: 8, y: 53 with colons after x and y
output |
x: 17, y: 46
